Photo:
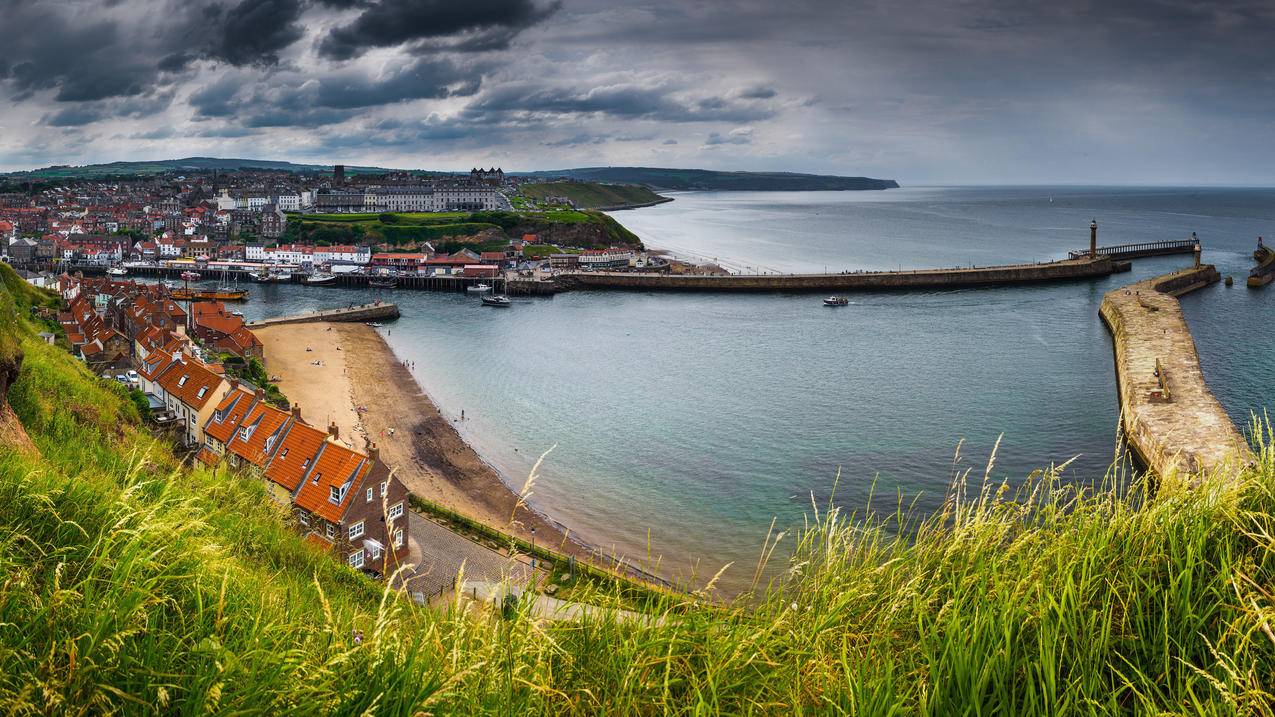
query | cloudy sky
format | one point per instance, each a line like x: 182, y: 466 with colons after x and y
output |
x: 924, y: 91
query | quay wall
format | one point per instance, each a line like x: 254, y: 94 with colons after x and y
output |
x: 1171, y: 420
x: 366, y: 312
x: 1066, y: 270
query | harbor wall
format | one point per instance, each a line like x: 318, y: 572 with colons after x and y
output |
x: 1170, y: 418
x: 366, y: 312
x: 1066, y: 270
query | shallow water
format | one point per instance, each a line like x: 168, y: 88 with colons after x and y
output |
x: 686, y: 422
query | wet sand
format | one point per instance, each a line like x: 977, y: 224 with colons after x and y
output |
x: 428, y: 455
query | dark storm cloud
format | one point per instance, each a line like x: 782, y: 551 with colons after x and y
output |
x: 422, y: 79
x: 388, y: 23
x: 254, y: 31
x: 758, y: 93
x: 622, y: 101
x: 73, y: 117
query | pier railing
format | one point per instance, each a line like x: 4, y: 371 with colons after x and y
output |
x: 1145, y: 249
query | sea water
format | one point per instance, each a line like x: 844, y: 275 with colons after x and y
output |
x: 682, y: 424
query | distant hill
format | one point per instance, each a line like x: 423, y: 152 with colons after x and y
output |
x: 662, y: 178
x: 591, y: 195
x: 162, y: 166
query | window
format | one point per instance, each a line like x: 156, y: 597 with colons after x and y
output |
x: 384, y: 485
x: 356, y: 559
x: 396, y: 510
x: 369, y: 494
x: 398, y: 538
x: 356, y: 530
x: 334, y: 494
x: 283, y: 454
x: 331, y: 531
x: 182, y: 381
x: 304, y: 517
x: 203, y: 390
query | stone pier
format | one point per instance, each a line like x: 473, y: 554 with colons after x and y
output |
x: 1170, y: 418
x: 379, y: 311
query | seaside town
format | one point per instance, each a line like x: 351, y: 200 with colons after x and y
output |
x: 321, y: 228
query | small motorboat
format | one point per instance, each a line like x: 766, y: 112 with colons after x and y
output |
x: 237, y: 313
x: 478, y: 288
x: 374, y: 324
x: 117, y: 271
x: 836, y: 301
x: 502, y: 302
x: 189, y: 276
x: 320, y: 278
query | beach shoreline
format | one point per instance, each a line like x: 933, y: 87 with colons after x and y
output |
x: 346, y: 373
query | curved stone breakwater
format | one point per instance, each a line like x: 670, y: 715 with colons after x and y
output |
x: 1170, y: 418
x: 956, y: 278
x: 379, y: 311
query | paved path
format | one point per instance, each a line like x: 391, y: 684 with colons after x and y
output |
x: 1170, y: 417
x: 438, y: 553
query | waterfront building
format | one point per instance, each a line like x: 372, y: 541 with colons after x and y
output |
x: 564, y: 262
x: 606, y: 259
x: 342, y: 254
x: 398, y: 261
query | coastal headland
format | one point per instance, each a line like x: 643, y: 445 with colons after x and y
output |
x: 346, y: 374
x: 1170, y: 418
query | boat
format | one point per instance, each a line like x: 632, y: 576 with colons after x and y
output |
x: 237, y: 313
x: 836, y: 301
x: 189, y: 276
x: 208, y: 295
x: 374, y: 324
x: 502, y: 302
x: 382, y: 282
x: 478, y: 288
x: 320, y: 278
x: 271, y: 277
x: 117, y: 271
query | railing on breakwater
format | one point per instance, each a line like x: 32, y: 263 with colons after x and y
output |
x: 1140, y: 251
x: 954, y: 278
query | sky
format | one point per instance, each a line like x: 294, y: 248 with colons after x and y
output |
x: 922, y: 91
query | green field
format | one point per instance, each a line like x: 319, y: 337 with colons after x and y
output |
x: 588, y: 228
x: 135, y: 583
x: 590, y: 195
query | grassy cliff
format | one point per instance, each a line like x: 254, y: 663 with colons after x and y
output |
x: 592, y: 195
x: 569, y: 227
x: 134, y: 583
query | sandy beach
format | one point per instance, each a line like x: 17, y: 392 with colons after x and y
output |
x: 356, y: 368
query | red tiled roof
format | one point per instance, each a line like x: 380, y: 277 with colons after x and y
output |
x: 261, y: 424
x: 296, y: 455
x: 336, y: 467
x: 207, y: 456
x: 229, y: 413
x: 190, y: 382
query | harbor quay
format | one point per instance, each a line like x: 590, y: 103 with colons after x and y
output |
x: 1171, y: 420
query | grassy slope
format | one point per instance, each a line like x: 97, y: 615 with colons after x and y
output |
x: 416, y: 227
x: 133, y: 583
x: 589, y: 195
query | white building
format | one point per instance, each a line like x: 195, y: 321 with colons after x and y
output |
x: 343, y: 254
x: 612, y: 258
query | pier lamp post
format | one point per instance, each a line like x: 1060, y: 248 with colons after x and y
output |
x: 533, y: 547
x: 1093, y: 239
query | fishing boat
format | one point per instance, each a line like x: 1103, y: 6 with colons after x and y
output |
x: 320, y: 278
x: 382, y: 282
x: 271, y: 277
x: 478, y: 288
x: 189, y: 276
x: 498, y: 301
x: 209, y: 295
x: 836, y: 301
x: 117, y: 271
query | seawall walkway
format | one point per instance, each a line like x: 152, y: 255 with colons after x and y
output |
x: 366, y: 312
x: 1170, y: 418
x: 1065, y: 270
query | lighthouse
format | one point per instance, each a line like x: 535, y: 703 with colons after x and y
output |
x: 1093, y: 239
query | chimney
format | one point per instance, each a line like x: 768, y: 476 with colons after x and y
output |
x: 296, y: 411
x: 260, y: 393
x: 372, y: 451
x: 234, y: 383
x: 334, y: 430
x: 1093, y: 239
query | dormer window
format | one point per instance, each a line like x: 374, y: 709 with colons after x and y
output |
x: 182, y: 381
x: 283, y: 454
x: 202, y: 391
x: 334, y: 494
x: 315, y: 480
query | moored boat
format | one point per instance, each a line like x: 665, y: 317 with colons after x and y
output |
x: 320, y: 278
x: 498, y: 301
x: 209, y: 295
x: 836, y: 301
x: 189, y: 276
x: 478, y: 288
x: 117, y: 271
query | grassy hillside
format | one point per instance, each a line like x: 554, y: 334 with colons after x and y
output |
x: 135, y: 584
x: 707, y: 179
x: 590, y: 195
x: 162, y: 166
x: 574, y: 228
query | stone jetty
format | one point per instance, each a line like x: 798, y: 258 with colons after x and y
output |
x: 377, y: 311
x: 955, y: 278
x: 1170, y: 418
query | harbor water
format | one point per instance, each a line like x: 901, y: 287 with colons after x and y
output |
x: 682, y: 424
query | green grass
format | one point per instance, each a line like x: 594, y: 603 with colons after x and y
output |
x: 590, y: 195
x: 135, y: 584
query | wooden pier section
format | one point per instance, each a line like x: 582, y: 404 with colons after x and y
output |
x: 956, y: 278
x: 1170, y: 418
x: 378, y: 311
x: 1124, y: 252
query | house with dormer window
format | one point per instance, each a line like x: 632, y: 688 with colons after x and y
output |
x: 191, y: 392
